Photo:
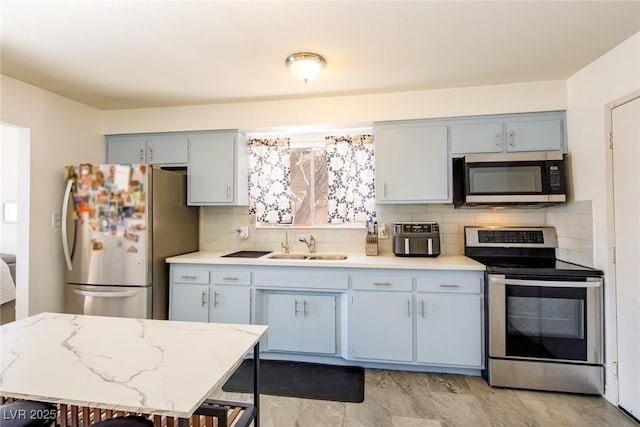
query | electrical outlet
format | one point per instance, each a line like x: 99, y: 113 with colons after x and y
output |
x: 383, y: 232
x: 56, y: 219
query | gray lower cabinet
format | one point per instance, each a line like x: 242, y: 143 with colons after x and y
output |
x: 403, y: 317
x: 381, y: 326
x: 417, y: 317
x: 189, y: 302
x: 301, y: 322
x: 227, y: 299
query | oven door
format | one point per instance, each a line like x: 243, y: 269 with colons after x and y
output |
x: 545, y: 320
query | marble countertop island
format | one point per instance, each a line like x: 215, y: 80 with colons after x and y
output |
x: 151, y: 366
x: 353, y: 260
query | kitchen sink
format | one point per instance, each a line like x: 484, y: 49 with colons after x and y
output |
x: 311, y: 257
x: 287, y: 256
x: 332, y: 257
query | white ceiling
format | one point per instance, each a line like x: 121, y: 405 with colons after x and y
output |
x: 134, y: 54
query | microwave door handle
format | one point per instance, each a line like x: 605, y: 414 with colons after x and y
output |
x: 556, y: 283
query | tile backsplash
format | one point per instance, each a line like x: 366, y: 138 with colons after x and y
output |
x: 573, y: 222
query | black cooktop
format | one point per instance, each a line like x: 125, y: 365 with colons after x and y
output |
x: 246, y: 254
x: 550, y: 269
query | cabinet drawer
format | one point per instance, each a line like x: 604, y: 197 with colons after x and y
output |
x: 470, y: 283
x: 231, y: 277
x: 303, y: 277
x: 186, y: 275
x: 382, y: 283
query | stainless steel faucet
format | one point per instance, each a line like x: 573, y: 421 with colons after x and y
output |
x: 311, y: 243
x: 285, y: 244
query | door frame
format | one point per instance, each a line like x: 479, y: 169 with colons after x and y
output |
x: 611, y: 243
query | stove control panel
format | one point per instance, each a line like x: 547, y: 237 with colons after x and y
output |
x: 495, y: 236
x: 510, y: 236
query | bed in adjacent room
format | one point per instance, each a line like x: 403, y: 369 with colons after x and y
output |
x: 7, y: 288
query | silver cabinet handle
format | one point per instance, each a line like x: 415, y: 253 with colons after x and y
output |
x: 381, y: 284
x: 231, y: 278
x: 204, y: 298
x: 498, y: 138
x: 215, y: 299
x: 304, y: 307
x: 408, y: 308
x: 512, y: 138
x: 449, y: 285
x: 384, y: 190
x: 150, y: 154
x: 228, y: 192
x: 295, y: 308
x: 141, y: 154
x: 422, y: 307
x: 189, y: 277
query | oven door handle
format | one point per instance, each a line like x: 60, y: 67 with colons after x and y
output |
x: 589, y: 283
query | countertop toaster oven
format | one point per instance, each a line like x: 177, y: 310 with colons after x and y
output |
x: 416, y: 239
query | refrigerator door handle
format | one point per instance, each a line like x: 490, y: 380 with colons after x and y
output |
x: 65, y: 242
x: 105, y: 294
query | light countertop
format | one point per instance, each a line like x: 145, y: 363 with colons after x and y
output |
x: 150, y: 366
x: 354, y: 260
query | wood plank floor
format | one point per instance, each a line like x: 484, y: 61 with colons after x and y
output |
x: 407, y: 399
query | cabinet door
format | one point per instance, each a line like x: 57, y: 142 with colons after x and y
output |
x: 189, y: 302
x: 449, y: 329
x: 126, y: 149
x: 318, y: 332
x: 476, y: 137
x: 230, y: 304
x: 381, y: 326
x: 167, y: 149
x: 535, y: 135
x: 283, y: 313
x: 211, y: 169
x: 412, y: 163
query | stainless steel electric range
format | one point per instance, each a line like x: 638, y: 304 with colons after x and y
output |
x: 544, y: 316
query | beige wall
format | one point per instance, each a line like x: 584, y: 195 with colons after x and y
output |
x: 59, y: 132
x: 611, y: 77
x: 510, y: 98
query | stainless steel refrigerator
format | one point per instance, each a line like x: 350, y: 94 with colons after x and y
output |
x: 119, y: 223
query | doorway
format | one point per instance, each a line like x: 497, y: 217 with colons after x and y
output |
x: 625, y: 157
x: 14, y: 194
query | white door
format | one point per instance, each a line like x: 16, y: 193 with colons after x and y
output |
x: 318, y: 324
x: 625, y: 125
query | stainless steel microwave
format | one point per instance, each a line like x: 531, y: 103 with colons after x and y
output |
x: 509, y: 179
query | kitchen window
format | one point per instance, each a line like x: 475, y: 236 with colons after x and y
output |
x: 311, y: 180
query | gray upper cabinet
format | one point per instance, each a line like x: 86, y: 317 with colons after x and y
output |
x: 412, y: 162
x: 476, y: 136
x: 217, y: 171
x: 509, y: 133
x: 157, y: 149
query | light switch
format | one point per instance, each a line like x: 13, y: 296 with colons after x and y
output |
x: 56, y: 219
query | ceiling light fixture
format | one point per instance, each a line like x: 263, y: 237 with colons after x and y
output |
x: 305, y: 66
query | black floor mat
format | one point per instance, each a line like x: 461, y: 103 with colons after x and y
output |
x: 297, y: 379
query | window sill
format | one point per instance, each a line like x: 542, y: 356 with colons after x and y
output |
x: 320, y: 226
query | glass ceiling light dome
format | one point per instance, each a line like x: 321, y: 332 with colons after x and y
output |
x: 305, y: 66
